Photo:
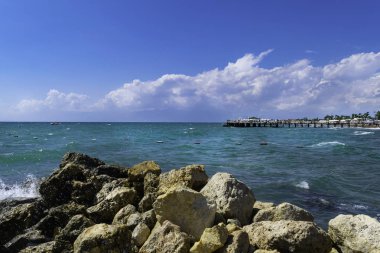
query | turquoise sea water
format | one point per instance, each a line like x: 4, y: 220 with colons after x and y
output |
x: 326, y: 171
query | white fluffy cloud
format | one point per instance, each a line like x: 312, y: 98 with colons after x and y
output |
x: 55, y: 100
x: 243, y: 88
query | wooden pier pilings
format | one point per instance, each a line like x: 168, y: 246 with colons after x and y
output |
x: 298, y: 123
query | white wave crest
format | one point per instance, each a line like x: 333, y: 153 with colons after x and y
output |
x: 28, y: 189
x: 362, y: 133
x: 303, y: 185
x: 328, y: 143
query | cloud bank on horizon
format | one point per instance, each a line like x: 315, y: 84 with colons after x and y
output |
x: 242, y: 88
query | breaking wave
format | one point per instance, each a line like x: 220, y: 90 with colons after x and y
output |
x: 27, y: 189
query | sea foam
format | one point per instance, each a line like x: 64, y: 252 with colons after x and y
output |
x: 303, y: 185
x: 328, y: 143
x: 362, y: 133
x: 27, y: 189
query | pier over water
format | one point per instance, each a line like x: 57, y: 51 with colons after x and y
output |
x: 302, y: 123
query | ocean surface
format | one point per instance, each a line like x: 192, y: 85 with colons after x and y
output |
x: 326, y: 171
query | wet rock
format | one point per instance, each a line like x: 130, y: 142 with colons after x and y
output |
x: 103, y: 238
x: 233, y: 198
x: 237, y: 242
x: 58, y: 217
x: 107, y: 208
x: 31, y: 237
x: 18, y: 218
x: 112, y: 171
x: 139, y: 171
x: 74, y: 228
x: 80, y: 159
x: 140, y: 234
x: 359, y: 233
x: 123, y: 214
x: 211, y: 240
x: 166, y: 238
x: 284, y: 211
x: 187, y: 208
x: 288, y: 236
x: 191, y: 176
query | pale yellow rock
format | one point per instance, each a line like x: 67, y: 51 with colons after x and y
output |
x: 211, y: 240
x: 263, y: 205
x: 266, y: 251
x: 231, y: 227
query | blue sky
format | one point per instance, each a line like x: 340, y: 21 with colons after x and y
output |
x: 187, y: 60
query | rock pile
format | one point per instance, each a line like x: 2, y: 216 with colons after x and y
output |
x: 89, y: 206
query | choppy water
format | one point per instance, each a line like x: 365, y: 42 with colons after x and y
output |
x: 326, y: 171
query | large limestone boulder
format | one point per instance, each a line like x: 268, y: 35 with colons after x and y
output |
x: 212, y: 239
x: 284, y: 211
x: 139, y: 171
x: 105, y: 210
x: 233, y: 198
x: 191, y: 176
x: 288, y: 236
x: 108, y: 187
x: 103, y: 238
x: 186, y: 208
x: 123, y: 214
x: 80, y: 159
x: 166, y: 238
x: 140, y: 234
x: 237, y: 242
x: 359, y: 233
x: 18, y: 218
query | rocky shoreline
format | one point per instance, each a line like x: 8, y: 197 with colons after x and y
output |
x: 89, y: 206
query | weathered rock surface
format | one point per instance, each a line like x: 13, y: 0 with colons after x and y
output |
x: 166, y: 238
x: 233, y: 198
x: 47, y: 247
x: 108, y: 187
x: 237, y: 242
x: 284, y: 211
x: 191, y: 176
x: 261, y: 205
x: 288, y: 236
x: 186, y: 208
x: 107, y: 208
x: 111, y: 170
x: 359, y: 233
x: 212, y: 239
x: 139, y: 171
x: 32, y: 237
x: 140, y: 234
x: 74, y: 228
x: 18, y: 218
x: 123, y: 214
x: 103, y: 238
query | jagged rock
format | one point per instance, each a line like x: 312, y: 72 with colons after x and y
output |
x: 108, y: 187
x: 139, y: 171
x: 187, y: 208
x: 123, y: 214
x: 83, y: 192
x: 133, y: 220
x: 80, y: 159
x: 237, y: 242
x: 18, y: 218
x: 58, y: 217
x: 149, y: 218
x: 234, y: 221
x: 74, y: 227
x: 266, y: 251
x: 31, y: 237
x: 146, y: 203
x: 191, y: 176
x: 166, y: 238
x: 211, y: 240
x: 105, y: 210
x: 140, y: 234
x: 8, y: 204
x: 47, y: 247
x: 151, y: 182
x: 231, y: 227
x: 233, y: 198
x: 288, y: 236
x: 103, y: 238
x: 284, y: 211
x: 359, y: 233
x: 261, y: 205
x: 112, y: 171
